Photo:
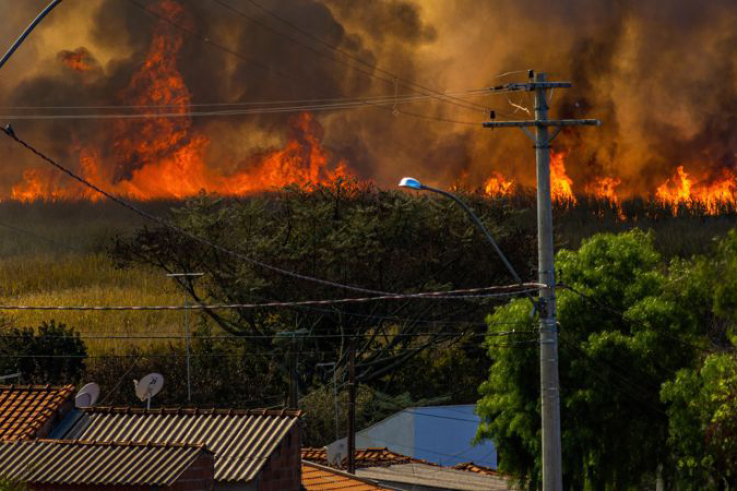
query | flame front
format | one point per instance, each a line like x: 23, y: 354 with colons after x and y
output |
x: 561, y: 186
x: 713, y: 195
x: 605, y: 188
x: 497, y: 185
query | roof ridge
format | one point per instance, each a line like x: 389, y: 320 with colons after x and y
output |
x: 194, y: 411
x: 46, y: 387
x: 121, y: 443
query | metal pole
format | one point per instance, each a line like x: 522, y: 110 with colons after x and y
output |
x: 549, y: 389
x: 335, y: 401
x: 28, y: 30
x: 189, y: 349
x: 293, y: 383
x: 352, y: 407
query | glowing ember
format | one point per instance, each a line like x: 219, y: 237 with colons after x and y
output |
x: 604, y: 188
x: 561, y: 186
x: 712, y: 195
x: 497, y: 185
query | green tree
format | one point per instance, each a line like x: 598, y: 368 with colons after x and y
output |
x: 612, y: 367
x: 702, y: 405
x: 50, y: 354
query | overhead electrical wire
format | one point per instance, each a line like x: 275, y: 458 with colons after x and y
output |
x: 222, y: 112
x: 505, y: 291
x: 379, y: 98
x: 273, y: 336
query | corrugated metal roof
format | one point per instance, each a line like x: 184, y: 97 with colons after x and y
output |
x: 25, y: 409
x: 242, y: 440
x: 96, y: 463
x: 318, y: 478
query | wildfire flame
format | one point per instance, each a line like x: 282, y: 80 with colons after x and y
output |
x: 681, y: 189
x: 497, y: 185
x: 561, y: 186
x: 605, y: 188
x: 165, y: 157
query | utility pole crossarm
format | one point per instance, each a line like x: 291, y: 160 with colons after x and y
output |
x: 538, y: 85
x: 539, y: 124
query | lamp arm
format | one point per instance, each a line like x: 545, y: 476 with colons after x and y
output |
x: 481, y: 227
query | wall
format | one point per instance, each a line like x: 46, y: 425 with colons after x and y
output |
x: 283, y: 470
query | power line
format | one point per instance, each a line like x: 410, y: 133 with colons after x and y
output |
x: 441, y: 295
x: 249, y: 354
x: 216, y: 113
x: 271, y: 336
x: 380, y: 98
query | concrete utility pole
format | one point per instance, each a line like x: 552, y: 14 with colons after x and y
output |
x: 549, y: 387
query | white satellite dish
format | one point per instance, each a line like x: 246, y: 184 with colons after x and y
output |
x: 87, y: 395
x: 149, y: 386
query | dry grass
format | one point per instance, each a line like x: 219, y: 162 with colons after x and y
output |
x: 89, y: 279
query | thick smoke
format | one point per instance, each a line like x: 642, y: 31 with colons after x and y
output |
x: 662, y: 79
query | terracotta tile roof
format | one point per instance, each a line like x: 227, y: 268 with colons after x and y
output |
x: 242, y: 440
x: 478, y: 469
x: 96, y: 463
x: 368, y: 457
x: 27, y: 411
x: 320, y: 478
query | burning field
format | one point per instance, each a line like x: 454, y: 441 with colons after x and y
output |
x: 132, y: 95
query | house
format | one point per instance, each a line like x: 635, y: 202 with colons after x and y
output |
x: 64, y: 465
x: 441, y: 435
x: 316, y: 477
x: 395, y: 471
x: 253, y: 449
x: 31, y: 411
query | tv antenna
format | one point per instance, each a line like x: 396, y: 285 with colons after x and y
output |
x: 87, y: 396
x: 149, y: 386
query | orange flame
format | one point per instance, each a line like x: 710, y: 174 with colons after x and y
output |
x: 497, y: 185
x: 713, y: 195
x: 561, y: 186
x: 605, y: 188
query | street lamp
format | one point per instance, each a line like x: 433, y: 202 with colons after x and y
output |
x: 412, y: 183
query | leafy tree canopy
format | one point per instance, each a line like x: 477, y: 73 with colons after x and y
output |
x: 624, y: 331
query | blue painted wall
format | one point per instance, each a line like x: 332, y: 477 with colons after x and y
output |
x: 439, y: 434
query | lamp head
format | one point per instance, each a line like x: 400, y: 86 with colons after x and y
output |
x: 410, y: 182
